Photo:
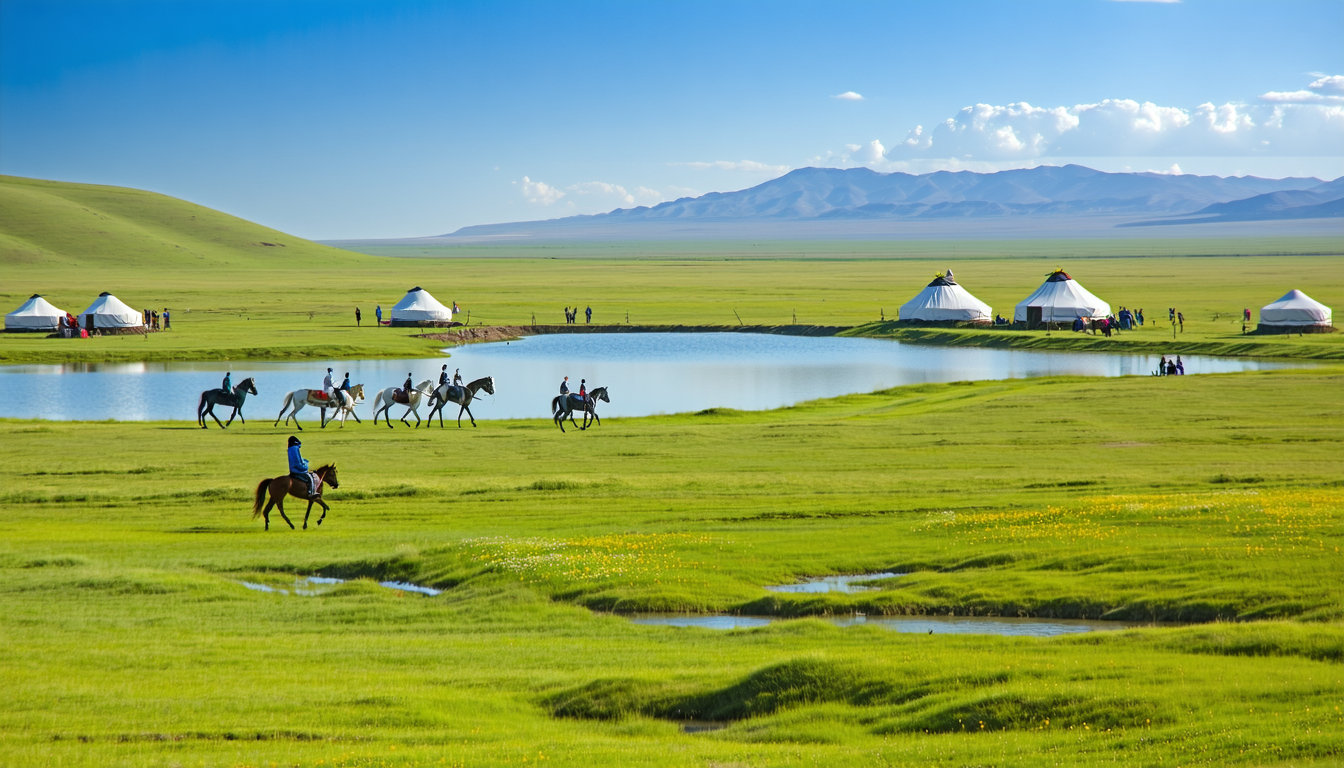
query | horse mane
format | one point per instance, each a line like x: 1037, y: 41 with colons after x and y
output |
x: 325, y: 467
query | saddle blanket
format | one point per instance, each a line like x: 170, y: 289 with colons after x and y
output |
x: 399, y: 396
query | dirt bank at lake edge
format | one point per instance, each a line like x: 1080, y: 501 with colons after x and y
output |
x: 486, y: 333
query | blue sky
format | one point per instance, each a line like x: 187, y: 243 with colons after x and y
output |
x: 348, y: 120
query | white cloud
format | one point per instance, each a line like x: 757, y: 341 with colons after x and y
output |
x: 540, y: 192
x: 1117, y: 127
x: 604, y: 189
x: 1326, y: 89
x: 741, y: 165
x: 848, y: 96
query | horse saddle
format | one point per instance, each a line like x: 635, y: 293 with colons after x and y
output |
x: 399, y: 396
x: 455, y: 392
x: 319, y: 395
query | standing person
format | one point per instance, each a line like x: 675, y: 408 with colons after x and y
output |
x: 167, y: 321
x: 378, y: 313
x: 357, y: 317
x: 564, y: 386
x: 1180, y: 317
x: 1162, y: 366
x: 1140, y: 315
x: 298, y: 466
x: 1180, y: 366
x: 589, y: 312
x: 1171, y: 315
x: 455, y: 309
x: 1171, y: 367
x: 227, y: 386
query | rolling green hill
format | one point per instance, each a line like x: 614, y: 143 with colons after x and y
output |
x: 87, y: 225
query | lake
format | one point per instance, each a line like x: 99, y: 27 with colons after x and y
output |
x: 646, y: 373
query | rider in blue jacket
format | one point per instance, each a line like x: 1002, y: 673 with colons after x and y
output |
x: 298, y: 466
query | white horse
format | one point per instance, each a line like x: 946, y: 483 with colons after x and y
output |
x: 383, y: 402
x: 347, y: 405
x: 301, y: 397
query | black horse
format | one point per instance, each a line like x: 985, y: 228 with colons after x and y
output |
x: 235, y: 399
x: 563, y: 407
x: 460, y: 395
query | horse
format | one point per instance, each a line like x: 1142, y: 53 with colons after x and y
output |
x: 212, y: 397
x: 280, y: 487
x: 349, y: 399
x: 301, y: 397
x: 562, y: 406
x: 453, y: 393
x: 383, y: 402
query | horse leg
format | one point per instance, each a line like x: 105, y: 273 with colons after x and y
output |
x: 323, y: 418
x: 232, y: 416
x: 266, y: 513
x: 211, y: 413
x: 325, y: 510
x: 308, y: 512
x: 280, y: 507
x: 200, y: 415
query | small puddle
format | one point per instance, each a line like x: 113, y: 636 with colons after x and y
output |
x: 309, y: 586
x: 924, y: 625
x: 843, y: 583
x: 702, y: 726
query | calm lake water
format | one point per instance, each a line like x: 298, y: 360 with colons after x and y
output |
x: 923, y: 625
x: 646, y: 373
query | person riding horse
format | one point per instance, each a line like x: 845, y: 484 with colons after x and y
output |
x: 564, y: 386
x: 443, y: 376
x: 345, y: 385
x: 298, y: 467
x: 457, y: 377
x: 227, y: 386
x: 328, y: 385
x: 583, y: 390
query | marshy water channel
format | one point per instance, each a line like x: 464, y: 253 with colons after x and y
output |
x: 646, y: 373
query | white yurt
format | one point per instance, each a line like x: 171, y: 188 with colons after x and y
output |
x: 417, y: 307
x: 36, y: 314
x: 1295, y: 310
x: 108, y: 313
x: 1060, y: 299
x: 944, y: 300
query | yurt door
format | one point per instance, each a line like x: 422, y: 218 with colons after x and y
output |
x: 88, y: 321
x: 1033, y: 317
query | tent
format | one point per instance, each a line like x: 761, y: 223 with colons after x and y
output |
x: 417, y: 307
x: 107, y: 312
x: 943, y: 301
x: 1295, y: 310
x: 1060, y: 299
x: 36, y: 314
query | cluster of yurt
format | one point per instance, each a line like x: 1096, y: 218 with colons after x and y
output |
x: 419, y: 308
x: 107, y: 315
x: 1060, y: 300
x: 1295, y: 312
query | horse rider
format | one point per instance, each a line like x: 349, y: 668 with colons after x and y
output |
x: 227, y: 386
x: 583, y: 390
x: 345, y: 385
x: 564, y: 386
x: 408, y: 386
x: 457, y: 377
x: 443, y: 375
x: 328, y: 385
x: 298, y: 467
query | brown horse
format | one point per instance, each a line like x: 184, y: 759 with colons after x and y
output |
x: 280, y: 487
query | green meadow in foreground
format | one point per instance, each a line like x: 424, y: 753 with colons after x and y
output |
x: 237, y: 290
x: 1215, y: 500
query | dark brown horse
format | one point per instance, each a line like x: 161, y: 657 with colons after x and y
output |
x: 280, y: 487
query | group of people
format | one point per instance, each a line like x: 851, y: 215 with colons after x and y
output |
x: 1179, y: 318
x: 1168, y: 367
x: 378, y: 313
x: 1126, y: 320
x: 582, y: 394
x: 572, y: 315
x: 152, y: 320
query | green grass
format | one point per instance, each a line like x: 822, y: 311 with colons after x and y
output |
x: 129, y: 641
x: 233, y: 298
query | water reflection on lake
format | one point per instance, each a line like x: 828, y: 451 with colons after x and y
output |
x: 924, y: 625
x: 647, y: 373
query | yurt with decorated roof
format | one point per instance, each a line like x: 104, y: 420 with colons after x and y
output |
x: 1059, y: 300
x: 1295, y: 312
x: 419, y: 308
x: 33, y: 316
x: 108, y: 314
x: 944, y: 301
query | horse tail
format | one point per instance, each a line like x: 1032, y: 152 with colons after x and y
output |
x: 260, y: 499
x: 555, y: 404
x: 200, y: 405
x: 289, y: 398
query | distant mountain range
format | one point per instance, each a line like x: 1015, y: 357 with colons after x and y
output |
x: 1052, y: 196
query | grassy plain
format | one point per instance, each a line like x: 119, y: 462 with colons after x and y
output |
x: 232, y: 296
x: 128, y: 639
